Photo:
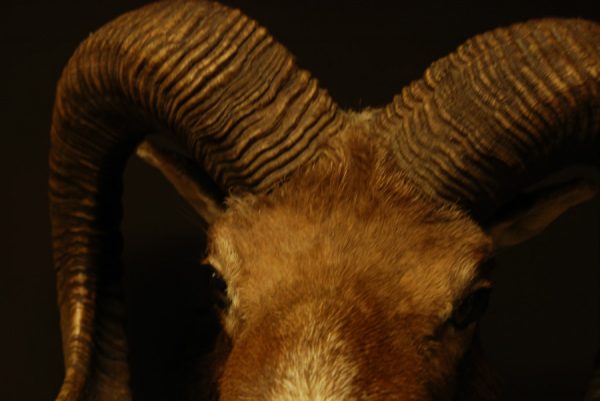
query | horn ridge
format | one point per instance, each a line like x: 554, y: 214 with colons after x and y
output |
x: 508, y: 107
x: 215, y: 81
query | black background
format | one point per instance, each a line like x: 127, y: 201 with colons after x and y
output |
x: 541, y: 330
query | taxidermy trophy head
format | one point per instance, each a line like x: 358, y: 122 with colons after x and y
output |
x: 350, y: 250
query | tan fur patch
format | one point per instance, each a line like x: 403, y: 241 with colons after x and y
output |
x: 375, y: 268
x: 317, y: 366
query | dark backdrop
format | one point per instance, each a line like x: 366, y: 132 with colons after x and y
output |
x: 542, y: 328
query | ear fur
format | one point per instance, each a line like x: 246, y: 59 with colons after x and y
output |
x: 185, y: 176
x: 537, y: 210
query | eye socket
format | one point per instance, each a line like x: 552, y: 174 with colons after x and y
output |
x: 218, y: 287
x: 471, y: 308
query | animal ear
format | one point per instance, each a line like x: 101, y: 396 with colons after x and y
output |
x: 187, y: 178
x: 533, y: 212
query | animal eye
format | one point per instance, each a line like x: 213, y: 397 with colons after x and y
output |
x: 218, y: 287
x: 471, y: 309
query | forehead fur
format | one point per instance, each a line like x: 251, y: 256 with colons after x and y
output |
x: 343, y: 224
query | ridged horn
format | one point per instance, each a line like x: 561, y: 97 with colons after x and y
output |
x: 506, y: 108
x: 222, y: 87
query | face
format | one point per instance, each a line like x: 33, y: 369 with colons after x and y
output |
x: 347, y: 285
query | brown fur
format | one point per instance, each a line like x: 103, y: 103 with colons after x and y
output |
x: 343, y: 279
x: 355, y: 259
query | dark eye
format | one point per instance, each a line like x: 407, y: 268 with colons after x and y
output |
x: 218, y: 287
x: 471, y: 308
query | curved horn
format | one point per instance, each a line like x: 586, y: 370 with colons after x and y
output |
x: 223, y: 87
x: 506, y: 108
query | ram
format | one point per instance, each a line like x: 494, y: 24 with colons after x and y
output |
x: 351, y: 250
